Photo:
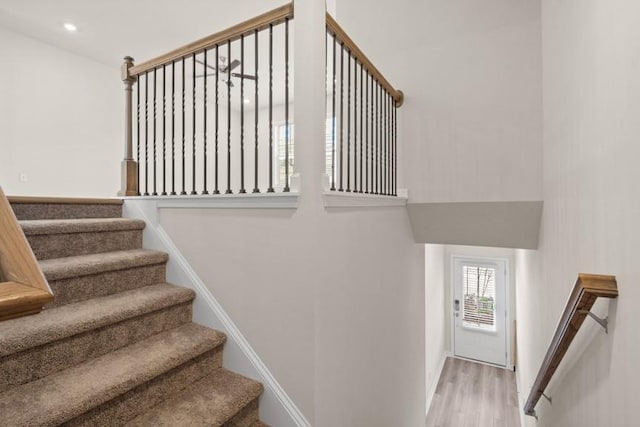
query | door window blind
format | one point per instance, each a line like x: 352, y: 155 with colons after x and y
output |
x: 479, y: 297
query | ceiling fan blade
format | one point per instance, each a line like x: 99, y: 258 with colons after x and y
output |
x: 208, y: 65
x: 233, y: 65
x: 202, y: 75
x: 243, y: 76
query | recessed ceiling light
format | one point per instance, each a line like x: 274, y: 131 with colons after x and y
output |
x: 70, y: 27
x: 247, y: 101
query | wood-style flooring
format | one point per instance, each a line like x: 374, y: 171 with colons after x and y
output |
x: 471, y: 394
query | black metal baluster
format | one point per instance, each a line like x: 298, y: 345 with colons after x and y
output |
x: 366, y: 138
x: 242, y: 189
x: 373, y: 134
x: 216, y: 189
x: 287, y: 132
x: 380, y: 141
x: 395, y: 150
x: 183, y: 192
x: 355, y: 125
x: 349, y: 122
x: 228, y: 191
x: 270, y: 189
x: 391, y: 163
x: 361, y: 122
x: 374, y: 139
x: 164, y: 130
x: 193, y: 124
x: 385, y: 154
x: 173, y: 128
x: 155, y: 163
x: 256, y: 189
x: 384, y: 133
x: 389, y: 145
x: 383, y: 129
x: 385, y: 163
x: 138, y: 131
x: 382, y: 153
x: 341, y: 111
x: 204, y: 125
x: 146, y: 133
x: 386, y: 145
x: 378, y: 138
x: 333, y: 117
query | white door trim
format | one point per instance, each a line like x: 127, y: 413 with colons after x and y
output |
x: 507, y: 270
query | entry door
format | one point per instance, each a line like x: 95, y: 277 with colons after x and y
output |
x: 480, y: 309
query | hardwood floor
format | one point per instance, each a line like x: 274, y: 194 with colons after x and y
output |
x: 471, y: 394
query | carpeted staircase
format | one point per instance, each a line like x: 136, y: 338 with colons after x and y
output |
x: 117, y: 345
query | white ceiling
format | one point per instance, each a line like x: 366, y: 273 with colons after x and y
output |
x: 108, y: 30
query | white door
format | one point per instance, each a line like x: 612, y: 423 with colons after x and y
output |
x: 480, y: 309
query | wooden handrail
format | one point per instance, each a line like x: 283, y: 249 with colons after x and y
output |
x: 588, y: 288
x: 23, y: 288
x: 259, y: 22
x: 335, y: 29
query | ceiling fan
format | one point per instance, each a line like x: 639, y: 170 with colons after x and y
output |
x: 225, y: 70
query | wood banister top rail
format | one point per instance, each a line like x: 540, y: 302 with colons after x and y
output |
x: 259, y: 22
x: 23, y: 288
x: 341, y: 35
x: 587, y: 290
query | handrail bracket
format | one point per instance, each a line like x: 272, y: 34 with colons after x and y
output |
x: 602, y: 322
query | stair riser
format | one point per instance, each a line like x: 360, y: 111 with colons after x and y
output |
x: 47, y: 359
x: 247, y: 417
x: 131, y: 404
x: 31, y: 211
x: 48, y: 246
x: 82, y: 288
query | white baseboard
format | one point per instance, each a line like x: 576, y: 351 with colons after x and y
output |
x: 432, y: 390
x: 276, y: 407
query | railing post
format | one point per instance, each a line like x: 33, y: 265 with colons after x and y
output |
x: 129, y: 183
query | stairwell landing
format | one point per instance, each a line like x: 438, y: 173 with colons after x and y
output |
x: 117, y: 346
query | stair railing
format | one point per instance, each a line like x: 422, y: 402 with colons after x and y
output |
x: 362, y: 136
x: 23, y: 288
x: 207, y: 116
x: 587, y: 290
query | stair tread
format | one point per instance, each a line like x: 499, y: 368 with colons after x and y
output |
x: 211, y: 401
x: 62, y: 396
x: 46, y: 200
x: 68, y: 320
x: 82, y: 265
x: 84, y: 225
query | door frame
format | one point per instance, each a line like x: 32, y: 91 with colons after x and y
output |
x: 507, y: 333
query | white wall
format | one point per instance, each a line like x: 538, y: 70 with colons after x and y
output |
x: 61, y: 117
x: 332, y: 301
x: 471, y: 73
x: 435, y: 317
x: 591, y: 210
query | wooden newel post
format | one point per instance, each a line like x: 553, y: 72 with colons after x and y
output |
x: 129, y: 186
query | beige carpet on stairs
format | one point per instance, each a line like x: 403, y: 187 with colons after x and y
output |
x: 117, y: 346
